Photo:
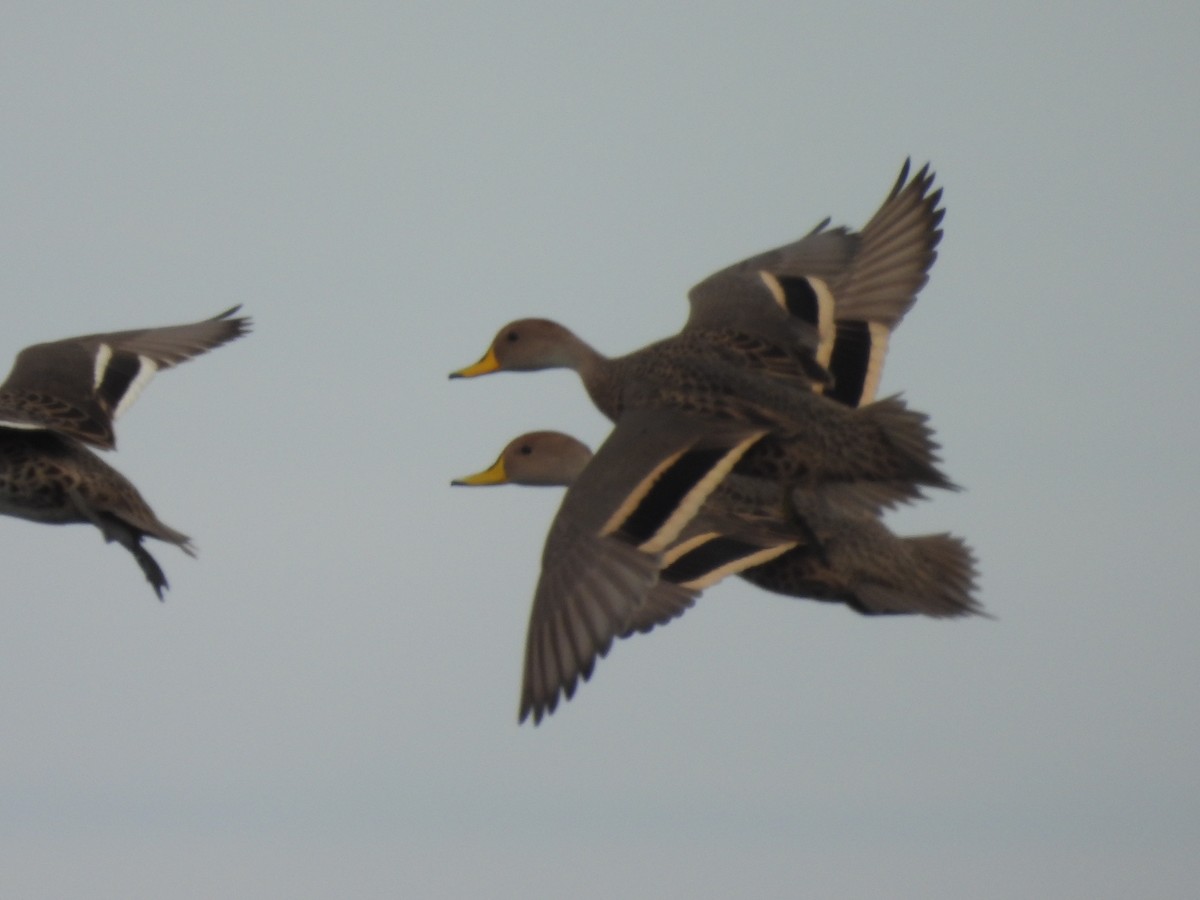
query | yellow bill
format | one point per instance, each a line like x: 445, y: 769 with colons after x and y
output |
x: 485, y: 366
x: 494, y: 475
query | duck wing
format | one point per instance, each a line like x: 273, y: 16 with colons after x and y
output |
x: 79, y: 386
x: 604, y: 550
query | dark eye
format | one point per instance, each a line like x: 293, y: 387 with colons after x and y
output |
x: 526, y: 449
x: 511, y: 336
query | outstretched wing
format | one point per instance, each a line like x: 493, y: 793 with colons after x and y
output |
x: 79, y: 386
x: 833, y: 297
x: 605, y: 546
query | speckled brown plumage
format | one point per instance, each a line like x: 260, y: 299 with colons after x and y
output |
x: 881, y: 453
x: 874, y: 572
x: 47, y: 478
x: 812, y: 440
x: 757, y: 349
x: 78, y: 385
x: 63, y: 394
x: 857, y: 560
x: 759, y: 352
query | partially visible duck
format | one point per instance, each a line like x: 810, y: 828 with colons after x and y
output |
x: 65, y: 395
x: 742, y: 528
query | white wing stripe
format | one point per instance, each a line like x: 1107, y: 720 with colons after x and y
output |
x: 103, y: 357
x: 146, y: 371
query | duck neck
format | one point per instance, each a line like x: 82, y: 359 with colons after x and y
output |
x: 596, y: 371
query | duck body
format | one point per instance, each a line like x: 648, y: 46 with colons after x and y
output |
x: 852, y: 558
x: 53, y: 480
x: 747, y: 527
x: 727, y: 377
x: 874, y: 572
x: 39, y: 471
x: 777, y: 367
x: 63, y: 397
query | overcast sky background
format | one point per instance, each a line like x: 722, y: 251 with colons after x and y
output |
x: 326, y: 703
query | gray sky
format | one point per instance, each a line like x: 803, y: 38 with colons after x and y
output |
x: 326, y: 703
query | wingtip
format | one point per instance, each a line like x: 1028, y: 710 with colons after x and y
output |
x: 241, y: 326
x: 225, y: 315
x: 534, y: 712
